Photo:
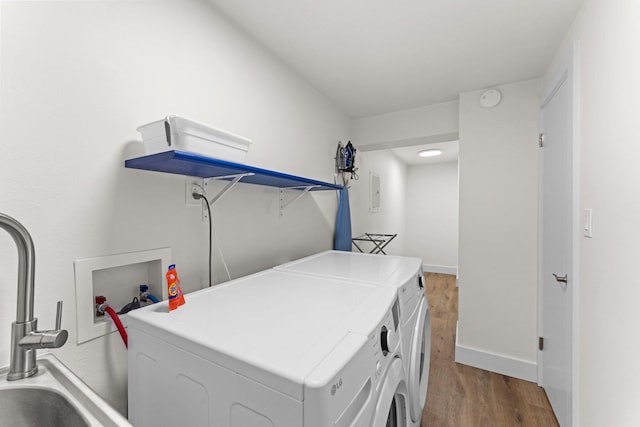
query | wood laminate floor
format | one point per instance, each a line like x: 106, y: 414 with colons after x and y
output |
x: 462, y: 396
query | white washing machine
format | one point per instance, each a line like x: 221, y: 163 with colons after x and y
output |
x: 271, y: 349
x: 404, y: 274
x: 391, y: 407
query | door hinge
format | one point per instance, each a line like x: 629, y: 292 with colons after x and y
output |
x: 540, y: 343
x: 541, y: 140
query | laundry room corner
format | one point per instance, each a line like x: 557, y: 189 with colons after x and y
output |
x: 77, y: 79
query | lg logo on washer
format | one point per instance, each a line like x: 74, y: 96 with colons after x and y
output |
x: 335, y: 387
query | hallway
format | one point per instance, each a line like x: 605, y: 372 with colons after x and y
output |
x: 463, y: 396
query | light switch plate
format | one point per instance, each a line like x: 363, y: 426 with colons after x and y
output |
x: 587, y: 222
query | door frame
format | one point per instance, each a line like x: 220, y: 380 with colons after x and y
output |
x: 567, y: 72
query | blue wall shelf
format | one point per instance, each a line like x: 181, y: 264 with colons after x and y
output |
x: 189, y: 164
x: 183, y: 163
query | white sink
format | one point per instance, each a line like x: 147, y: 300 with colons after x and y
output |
x: 54, y: 397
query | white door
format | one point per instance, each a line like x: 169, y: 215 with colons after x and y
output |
x: 556, y: 249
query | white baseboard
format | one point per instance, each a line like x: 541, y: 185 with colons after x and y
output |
x: 497, y: 363
x: 442, y: 269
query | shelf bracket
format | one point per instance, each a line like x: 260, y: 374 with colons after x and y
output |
x: 283, y: 204
x: 234, y: 180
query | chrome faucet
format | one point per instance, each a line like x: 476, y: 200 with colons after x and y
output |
x: 25, y: 338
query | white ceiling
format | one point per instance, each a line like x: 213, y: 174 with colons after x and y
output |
x: 377, y: 56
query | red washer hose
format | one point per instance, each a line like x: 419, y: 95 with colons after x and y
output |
x: 116, y: 320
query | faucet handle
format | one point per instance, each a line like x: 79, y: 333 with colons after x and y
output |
x: 57, y: 337
x: 59, y: 316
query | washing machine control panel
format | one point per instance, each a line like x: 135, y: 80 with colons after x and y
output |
x: 385, y: 340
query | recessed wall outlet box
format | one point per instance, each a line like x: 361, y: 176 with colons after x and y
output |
x: 118, y: 278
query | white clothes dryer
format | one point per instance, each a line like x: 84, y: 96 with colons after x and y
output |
x: 271, y: 349
x: 406, y: 275
x: 419, y: 361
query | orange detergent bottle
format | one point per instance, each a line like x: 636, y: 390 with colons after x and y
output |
x: 176, y: 298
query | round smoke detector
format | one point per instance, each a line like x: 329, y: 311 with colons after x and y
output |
x: 490, y: 98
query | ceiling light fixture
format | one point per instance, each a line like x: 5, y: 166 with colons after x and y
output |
x: 430, y: 153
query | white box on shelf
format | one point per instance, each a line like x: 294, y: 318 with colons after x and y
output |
x: 178, y: 133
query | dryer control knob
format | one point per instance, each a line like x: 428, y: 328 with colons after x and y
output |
x: 386, y: 340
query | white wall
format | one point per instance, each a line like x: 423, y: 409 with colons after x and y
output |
x: 431, y: 123
x: 77, y: 78
x: 432, y: 215
x: 498, y: 227
x: 389, y: 219
x: 608, y: 347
